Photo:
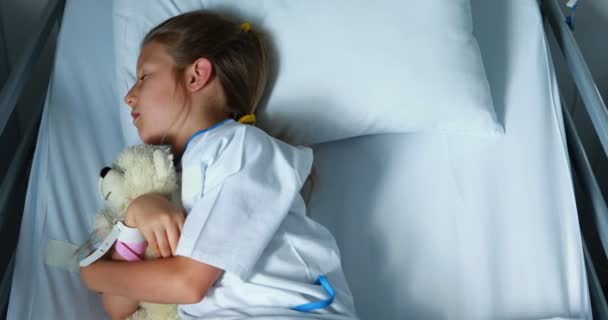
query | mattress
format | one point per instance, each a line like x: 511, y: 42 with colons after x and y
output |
x: 430, y: 226
x: 79, y: 134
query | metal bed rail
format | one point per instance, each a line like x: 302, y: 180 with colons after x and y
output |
x: 584, y: 174
x: 583, y: 79
x: 20, y: 74
x: 22, y: 71
x: 594, y: 104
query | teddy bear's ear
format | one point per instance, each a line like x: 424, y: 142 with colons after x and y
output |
x: 163, y: 163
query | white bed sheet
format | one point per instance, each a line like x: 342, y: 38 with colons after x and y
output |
x: 456, y: 227
x: 79, y: 134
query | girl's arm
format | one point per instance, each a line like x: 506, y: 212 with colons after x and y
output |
x: 178, y: 280
x: 118, y: 307
x: 167, y: 280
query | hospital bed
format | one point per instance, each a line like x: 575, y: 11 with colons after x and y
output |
x: 430, y: 225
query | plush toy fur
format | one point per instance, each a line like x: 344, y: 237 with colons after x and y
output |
x: 136, y: 171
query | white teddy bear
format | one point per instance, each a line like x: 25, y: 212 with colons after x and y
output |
x: 137, y: 170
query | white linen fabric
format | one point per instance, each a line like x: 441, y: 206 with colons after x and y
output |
x: 437, y: 226
x: 429, y: 225
x: 345, y: 68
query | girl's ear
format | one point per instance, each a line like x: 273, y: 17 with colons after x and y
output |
x: 198, y: 74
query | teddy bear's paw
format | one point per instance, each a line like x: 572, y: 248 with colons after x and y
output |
x: 102, y: 226
x: 156, y: 311
x: 140, y: 314
x: 149, y: 254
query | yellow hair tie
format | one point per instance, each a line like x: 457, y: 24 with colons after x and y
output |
x: 245, y: 26
x: 248, y: 119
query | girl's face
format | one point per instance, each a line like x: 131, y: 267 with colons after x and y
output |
x: 153, y: 99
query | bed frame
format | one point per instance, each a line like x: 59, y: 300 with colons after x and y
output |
x: 23, y: 71
x: 18, y: 170
x: 581, y: 167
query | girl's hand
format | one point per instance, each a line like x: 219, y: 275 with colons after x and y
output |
x: 158, y: 220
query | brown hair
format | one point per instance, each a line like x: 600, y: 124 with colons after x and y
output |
x: 239, y: 55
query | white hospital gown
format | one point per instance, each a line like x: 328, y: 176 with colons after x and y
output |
x: 245, y: 215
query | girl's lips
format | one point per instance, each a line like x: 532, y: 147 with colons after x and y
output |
x: 135, y: 115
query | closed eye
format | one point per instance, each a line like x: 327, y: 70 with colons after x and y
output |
x: 108, y: 195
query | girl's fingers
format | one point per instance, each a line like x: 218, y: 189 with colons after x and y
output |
x: 180, y: 222
x: 173, y: 236
x: 163, y: 244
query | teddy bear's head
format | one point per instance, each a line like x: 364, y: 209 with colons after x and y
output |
x: 136, y: 171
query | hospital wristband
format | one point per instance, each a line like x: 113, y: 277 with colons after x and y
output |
x: 130, y: 244
x: 130, y: 235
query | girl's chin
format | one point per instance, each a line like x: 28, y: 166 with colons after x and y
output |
x: 147, y: 139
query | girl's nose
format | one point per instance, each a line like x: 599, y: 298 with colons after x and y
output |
x: 130, y: 99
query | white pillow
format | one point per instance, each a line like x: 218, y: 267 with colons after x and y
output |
x: 346, y: 68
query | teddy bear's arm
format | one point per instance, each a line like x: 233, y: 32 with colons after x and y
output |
x: 104, y: 222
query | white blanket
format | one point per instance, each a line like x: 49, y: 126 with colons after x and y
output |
x: 456, y: 227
